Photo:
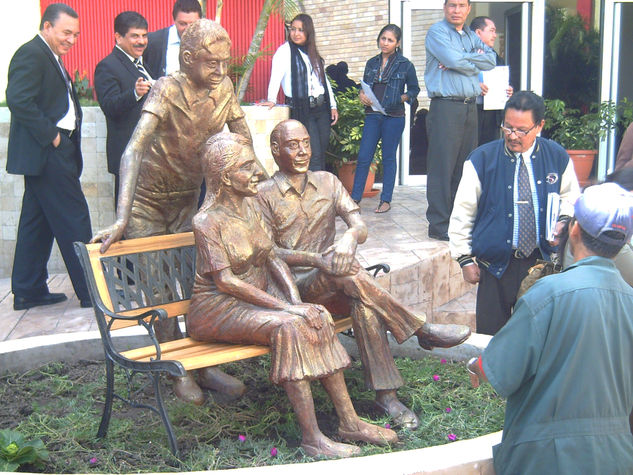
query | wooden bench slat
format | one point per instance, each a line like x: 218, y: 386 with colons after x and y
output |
x: 194, y: 354
x: 152, y: 243
x: 203, y: 361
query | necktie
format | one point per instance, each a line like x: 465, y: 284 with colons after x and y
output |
x: 142, y: 70
x: 69, y: 87
x: 527, y: 225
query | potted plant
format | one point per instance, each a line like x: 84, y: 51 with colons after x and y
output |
x: 342, y: 151
x: 580, y: 132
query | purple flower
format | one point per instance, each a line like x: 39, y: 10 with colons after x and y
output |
x: 452, y: 437
x: 273, y: 452
x: 387, y: 425
x: 443, y: 361
x: 448, y: 409
x: 241, y: 437
x: 436, y: 377
x: 93, y: 461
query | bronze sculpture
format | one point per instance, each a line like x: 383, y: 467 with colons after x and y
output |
x: 160, y: 170
x: 244, y: 293
x: 299, y: 208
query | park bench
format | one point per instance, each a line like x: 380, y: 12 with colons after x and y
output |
x: 136, y: 282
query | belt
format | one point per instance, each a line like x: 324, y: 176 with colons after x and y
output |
x: 519, y: 255
x: 317, y: 101
x: 465, y: 100
x: 66, y: 132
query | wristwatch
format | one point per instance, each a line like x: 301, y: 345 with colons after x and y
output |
x: 472, y: 361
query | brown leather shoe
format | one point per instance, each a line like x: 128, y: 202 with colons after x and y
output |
x: 217, y: 380
x: 188, y: 390
x: 433, y: 335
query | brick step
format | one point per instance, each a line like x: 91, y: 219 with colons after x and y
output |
x: 460, y: 310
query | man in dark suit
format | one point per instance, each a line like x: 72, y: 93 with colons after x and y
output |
x: 44, y: 146
x: 163, y: 46
x: 488, y: 121
x: 122, y: 83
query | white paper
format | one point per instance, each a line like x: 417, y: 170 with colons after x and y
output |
x: 553, y: 206
x: 375, y: 103
x: 498, y: 81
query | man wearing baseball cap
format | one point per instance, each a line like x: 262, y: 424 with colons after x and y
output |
x: 564, y: 358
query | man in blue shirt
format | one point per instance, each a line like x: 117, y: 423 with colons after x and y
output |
x: 564, y: 358
x: 454, y: 58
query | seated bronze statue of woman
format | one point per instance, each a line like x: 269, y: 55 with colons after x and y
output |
x: 243, y: 293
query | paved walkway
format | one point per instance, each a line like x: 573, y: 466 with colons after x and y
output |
x: 398, y: 237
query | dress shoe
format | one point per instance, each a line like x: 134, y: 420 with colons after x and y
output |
x: 188, y: 390
x: 217, y: 380
x: 438, y: 237
x: 433, y: 335
x: 85, y: 304
x: 400, y: 414
x: 23, y: 303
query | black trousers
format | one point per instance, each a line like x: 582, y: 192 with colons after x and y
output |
x: 53, y: 207
x: 318, y: 125
x: 496, y: 297
x: 452, y: 131
x: 488, y: 122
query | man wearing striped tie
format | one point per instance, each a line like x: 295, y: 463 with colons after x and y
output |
x: 498, y: 227
x: 122, y: 83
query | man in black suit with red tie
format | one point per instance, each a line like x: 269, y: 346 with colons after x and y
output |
x: 44, y: 146
x: 122, y: 82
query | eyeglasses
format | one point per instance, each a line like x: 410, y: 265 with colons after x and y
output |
x: 518, y: 133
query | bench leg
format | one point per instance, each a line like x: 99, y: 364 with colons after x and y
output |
x: 107, y: 408
x: 173, y: 444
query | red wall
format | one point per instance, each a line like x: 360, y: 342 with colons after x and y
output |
x: 239, y: 17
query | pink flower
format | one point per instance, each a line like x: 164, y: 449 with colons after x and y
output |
x: 452, y: 437
x: 443, y: 361
x: 448, y: 409
x: 436, y: 377
x: 93, y: 461
x: 387, y: 425
x: 273, y: 452
x: 241, y: 437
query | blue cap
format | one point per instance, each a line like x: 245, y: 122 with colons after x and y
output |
x: 605, y: 212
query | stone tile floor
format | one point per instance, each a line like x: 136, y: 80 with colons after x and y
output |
x: 398, y: 237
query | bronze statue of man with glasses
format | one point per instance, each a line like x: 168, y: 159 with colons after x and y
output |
x: 514, y: 197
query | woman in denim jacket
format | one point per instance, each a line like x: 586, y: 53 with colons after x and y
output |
x: 387, y: 74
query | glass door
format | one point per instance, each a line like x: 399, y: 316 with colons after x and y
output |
x: 616, y: 70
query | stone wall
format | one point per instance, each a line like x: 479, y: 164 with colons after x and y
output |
x: 347, y: 32
x: 97, y: 183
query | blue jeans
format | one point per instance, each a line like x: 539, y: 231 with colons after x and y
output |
x: 389, y: 129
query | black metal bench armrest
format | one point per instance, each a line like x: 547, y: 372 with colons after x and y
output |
x: 379, y: 267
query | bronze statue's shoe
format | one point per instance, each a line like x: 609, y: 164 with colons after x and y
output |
x: 329, y: 448
x: 433, y: 335
x: 188, y: 390
x: 400, y: 414
x: 369, y: 433
x: 217, y: 380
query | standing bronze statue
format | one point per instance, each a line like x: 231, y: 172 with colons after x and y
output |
x: 300, y: 208
x: 160, y: 170
x: 244, y: 293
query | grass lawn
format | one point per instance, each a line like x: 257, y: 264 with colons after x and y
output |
x: 61, y: 404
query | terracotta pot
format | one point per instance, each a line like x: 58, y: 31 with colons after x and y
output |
x: 583, y: 163
x: 346, y: 174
